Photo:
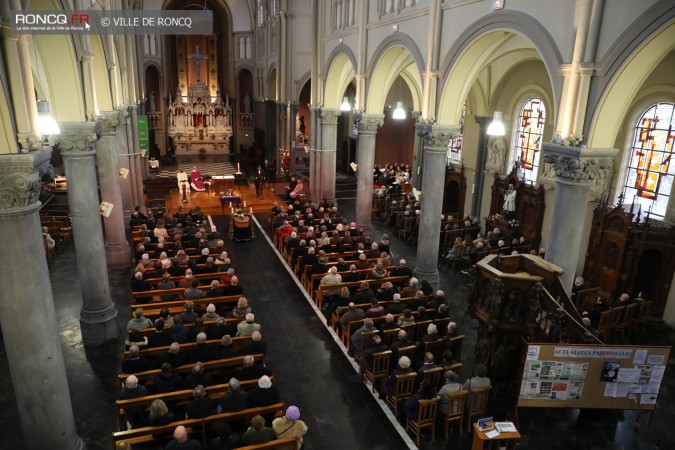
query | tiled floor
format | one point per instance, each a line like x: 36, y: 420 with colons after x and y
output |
x: 311, y: 368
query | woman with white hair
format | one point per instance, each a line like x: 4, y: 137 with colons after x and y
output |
x: 164, y: 260
x: 146, y: 261
x: 388, y: 385
x: 210, y: 315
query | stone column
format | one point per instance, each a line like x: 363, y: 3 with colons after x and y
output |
x: 117, y: 252
x: 576, y: 170
x: 365, y: 160
x: 98, y: 318
x: 315, y: 155
x: 35, y: 356
x: 123, y: 162
x: 137, y: 158
x: 436, y: 139
x: 328, y: 152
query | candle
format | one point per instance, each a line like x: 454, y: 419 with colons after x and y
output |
x: 244, y: 203
x: 250, y: 210
x: 238, y: 168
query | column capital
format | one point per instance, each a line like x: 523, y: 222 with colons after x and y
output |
x: 579, y: 165
x: 123, y: 113
x: 329, y: 116
x: 20, y: 178
x: 108, y: 123
x: 78, y: 138
x: 368, y: 123
x: 436, y: 137
x: 28, y: 141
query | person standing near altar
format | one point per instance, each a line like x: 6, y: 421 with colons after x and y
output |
x: 182, y: 181
x: 259, y: 181
x: 197, y: 180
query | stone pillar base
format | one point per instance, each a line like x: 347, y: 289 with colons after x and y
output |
x: 367, y: 229
x: 99, y: 326
x: 431, y: 277
x: 118, y: 256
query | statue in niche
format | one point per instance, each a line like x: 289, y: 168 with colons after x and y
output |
x: 151, y: 101
x: 496, y: 151
x: 248, y: 107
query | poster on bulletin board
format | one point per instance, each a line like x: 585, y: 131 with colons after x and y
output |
x: 592, y: 376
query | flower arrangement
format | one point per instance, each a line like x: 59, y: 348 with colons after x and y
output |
x: 513, y: 223
x: 497, y: 218
x: 239, y: 214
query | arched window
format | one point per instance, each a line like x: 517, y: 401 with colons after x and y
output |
x: 527, y: 138
x: 649, y: 177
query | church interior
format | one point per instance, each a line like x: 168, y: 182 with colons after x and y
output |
x: 497, y: 172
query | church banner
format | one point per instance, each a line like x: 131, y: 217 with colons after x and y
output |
x: 143, y: 135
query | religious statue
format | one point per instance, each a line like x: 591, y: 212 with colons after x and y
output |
x: 496, y: 151
x: 509, y: 202
x: 197, y: 58
x: 247, y: 104
x: 151, y: 101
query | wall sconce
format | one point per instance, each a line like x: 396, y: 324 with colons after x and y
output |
x: 497, y: 4
x: 394, y: 27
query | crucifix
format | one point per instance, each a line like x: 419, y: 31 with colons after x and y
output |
x: 197, y: 58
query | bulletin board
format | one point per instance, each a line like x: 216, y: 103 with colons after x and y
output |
x: 592, y: 376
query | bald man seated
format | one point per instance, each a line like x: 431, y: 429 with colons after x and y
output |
x: 181, y: 441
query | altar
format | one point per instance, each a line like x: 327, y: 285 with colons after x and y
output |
x: 222, y: 183
x: 199, y: 122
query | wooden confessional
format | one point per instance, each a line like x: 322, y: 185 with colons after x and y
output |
x: 628, y: 252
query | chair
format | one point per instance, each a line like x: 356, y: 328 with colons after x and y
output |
x: 642, y: 317
x: 426, y: 418
x: 434, y: 347
x: 380, y: 368
x: 366, y: 340
x: 614, y: 320
x: 626, y: 324
x: 404, y: 231
x: 456, y: 402
x: 408, y: 351
x: 421, y: 329
x: 478, y: 404
x: 402, y: 391
x: 389, y: 336
x: 603, y: 325
x: 433, y: 376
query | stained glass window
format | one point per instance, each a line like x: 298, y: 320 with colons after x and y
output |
x: 650, y: 173
x: 455, y: 144
x: 528, y: 137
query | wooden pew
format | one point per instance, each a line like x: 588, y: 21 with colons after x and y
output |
x: 154, y: 352
x: 319, y: 294
x: 198, y: 427
x: 277, y: 444
x: 176, y: 398
x: 148, y: 376
x: 153, y: 308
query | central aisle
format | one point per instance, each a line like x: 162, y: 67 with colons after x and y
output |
x: 311, y: 370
